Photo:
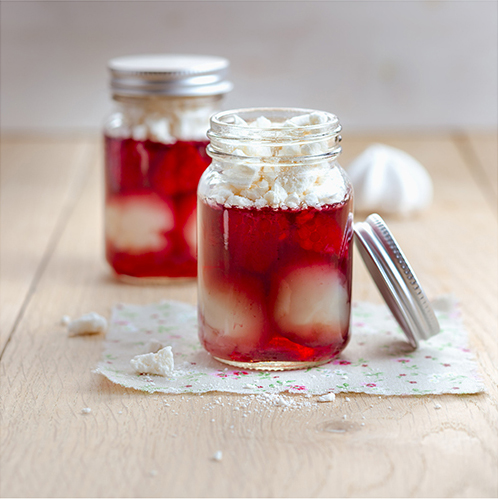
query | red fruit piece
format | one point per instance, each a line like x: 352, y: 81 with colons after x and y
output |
x: 318, y: 230
x: 256, y: 237
x: 126, y: 159
x: 179, y: 168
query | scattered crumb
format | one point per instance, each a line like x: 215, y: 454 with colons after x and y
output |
x: 281, y: 402
x: 212, y: 420
x: 120, y: 412
x: 345, y: 416
x: 65, y: 320
x: 91, y: 323
x: 160, y: 363
x: 329, y: 397
x: 362, y: 424
x: 86, y: 410
x: 153, y: 472
x: 437, y: 406
x: 347, y: 399
x: 217, y: 456
x: 371, y: 405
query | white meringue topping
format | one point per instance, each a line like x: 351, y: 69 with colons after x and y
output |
x: 388, y: 180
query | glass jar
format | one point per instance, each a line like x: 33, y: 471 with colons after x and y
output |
x: 155, y: 153
x: 275, y: 240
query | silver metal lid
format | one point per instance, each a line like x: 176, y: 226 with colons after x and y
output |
x: 395, y: 279
x: 169, y: 74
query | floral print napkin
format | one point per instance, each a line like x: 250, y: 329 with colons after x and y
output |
x: 378, y: 359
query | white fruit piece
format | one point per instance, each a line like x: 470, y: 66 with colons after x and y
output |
x: 136, y: 224
x: 91, y: 323
x: 231, y: 313
x: 311, y: 306
x: 190, y: 232
x: 160, y: 363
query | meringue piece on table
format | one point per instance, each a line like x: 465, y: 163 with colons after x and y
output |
x: 390, y: 181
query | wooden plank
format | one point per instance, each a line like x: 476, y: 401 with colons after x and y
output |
x: 485, y: 150
x: 133, y: 445
x: 480, y: 152
x: 40, y: 181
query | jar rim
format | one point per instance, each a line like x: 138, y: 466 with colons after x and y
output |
x: 221, y: 119
x: 279, y: 140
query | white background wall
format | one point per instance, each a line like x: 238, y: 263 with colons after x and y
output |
x: 379, y: 65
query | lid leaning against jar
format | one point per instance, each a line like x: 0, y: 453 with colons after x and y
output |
x: 169, y: 75
x: 395, y: 279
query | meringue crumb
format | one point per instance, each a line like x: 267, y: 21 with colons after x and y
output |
x: 438, y: 406
x: 91, y: 323
x: 153, y: 472
x: 65, y: 320
x: 160, y: 363
x: 329, y: 397
x: 86, y: 410
x: 217, y: 456
x: 281, y: 402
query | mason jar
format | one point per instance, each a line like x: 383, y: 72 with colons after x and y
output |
x: 155, y: 153
x: 274, y: 240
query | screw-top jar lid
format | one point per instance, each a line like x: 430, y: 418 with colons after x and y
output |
x: 395, y: 279
x: 169, y: 74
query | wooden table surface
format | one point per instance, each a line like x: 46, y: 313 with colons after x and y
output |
x: 133, y: 445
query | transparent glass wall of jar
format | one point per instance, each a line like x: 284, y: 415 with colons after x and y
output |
x: 275, y: 240
x: 155, y: 153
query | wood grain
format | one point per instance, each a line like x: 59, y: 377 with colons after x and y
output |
x: 481, y: 154
x: 40, y: 181
x: 134, y: 445
x: 486, y: 149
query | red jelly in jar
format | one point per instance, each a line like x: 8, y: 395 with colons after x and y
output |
x: 155, y: 153
x: 275, y: 240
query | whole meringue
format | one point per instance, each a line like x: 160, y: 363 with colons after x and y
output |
x: 390, y: 181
